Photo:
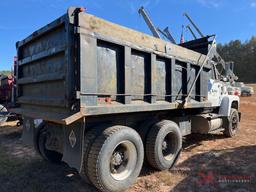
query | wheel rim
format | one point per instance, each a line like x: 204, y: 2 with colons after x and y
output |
x: 234, y: 123
x: 169, y: 146
x: 123, y: 160
x: 3, y: 118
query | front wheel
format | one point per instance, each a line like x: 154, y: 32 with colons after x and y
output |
x: 231, y: 126
x: 115, y: 159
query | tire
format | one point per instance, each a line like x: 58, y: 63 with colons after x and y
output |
x: 144, y: 129
x: 163, y: 145
x: 232, y: 124
x: 89, y: 139
x: 49, y: 155
x: 115, y: 159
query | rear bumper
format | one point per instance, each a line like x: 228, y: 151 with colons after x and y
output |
x: 60, y: 118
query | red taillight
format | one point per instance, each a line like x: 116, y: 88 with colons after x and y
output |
x: 236, y: 93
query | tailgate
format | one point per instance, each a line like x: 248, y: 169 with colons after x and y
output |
x: 45, y: 78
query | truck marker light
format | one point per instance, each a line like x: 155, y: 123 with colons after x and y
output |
x: 82, y: 9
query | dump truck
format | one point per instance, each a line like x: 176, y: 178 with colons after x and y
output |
x: 105, y: 98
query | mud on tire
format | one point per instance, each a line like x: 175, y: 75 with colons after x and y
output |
x: 163, y: 145
x: 232, y: 123
x: 89, y: 139
x: 115, y: 159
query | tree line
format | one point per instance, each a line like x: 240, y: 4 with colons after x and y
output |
x: 244, y: 56
x: 5, y: 72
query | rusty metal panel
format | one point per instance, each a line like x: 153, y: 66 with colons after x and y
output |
x: 140, y: 62
x: 97, y: 67
x: 107, y: 69
x: 204, y: 84
x: 52, y: 39
x: 90, y: 24
x: 180, y: 87
x: 40, y: 91
x: 127, y: 74
x: 43, y: 68
x: 161, y: 78
x: 88, y: 70
x: 110, y: 64
x: 138, y: 75
x: 192, y: 71
x: 152, y: 86
x: 151, y: 73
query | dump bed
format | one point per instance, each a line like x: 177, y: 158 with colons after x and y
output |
x: 81, y: 65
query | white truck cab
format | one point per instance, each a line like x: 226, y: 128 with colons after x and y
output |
x: 219, y: 97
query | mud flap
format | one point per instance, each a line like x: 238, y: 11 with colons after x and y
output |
x: 240, y: 116
x: 176, y: 158
x: 73, y: 144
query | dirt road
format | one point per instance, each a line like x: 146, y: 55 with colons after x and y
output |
x: 208, y: 163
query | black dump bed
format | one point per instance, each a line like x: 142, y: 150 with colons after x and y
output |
x: 81, y: 65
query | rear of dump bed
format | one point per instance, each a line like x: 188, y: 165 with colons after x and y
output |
x: 46, y: 70
x: 80, y: 63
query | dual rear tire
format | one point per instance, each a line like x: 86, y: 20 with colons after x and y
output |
x: 42, y: 139
x: 113, y: 157
x: 163, y: 145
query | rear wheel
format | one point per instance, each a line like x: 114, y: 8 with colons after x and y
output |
x: 89, y: 139
x: 115, y: 159
x: 43, y: 140
x: 232, y: 124
x: 163, y: 145
x: 145, y: 127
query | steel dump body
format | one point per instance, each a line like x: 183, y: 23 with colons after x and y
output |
x: 80, y: 65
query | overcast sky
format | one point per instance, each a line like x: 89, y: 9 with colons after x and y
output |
x: 229, y: 19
